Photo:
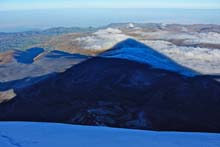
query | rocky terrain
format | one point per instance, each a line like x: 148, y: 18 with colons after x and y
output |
x: 194, y: 46
x: 130, y: 85
x: 29, y: 39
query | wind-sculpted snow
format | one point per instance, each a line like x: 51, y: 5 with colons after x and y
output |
x: 24, y: 134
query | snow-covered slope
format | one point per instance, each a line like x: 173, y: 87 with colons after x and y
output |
x: 24, y: 134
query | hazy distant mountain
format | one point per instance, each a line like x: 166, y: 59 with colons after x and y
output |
x: 29, y: 39
x: 180, y: 35
x: 114, y: 90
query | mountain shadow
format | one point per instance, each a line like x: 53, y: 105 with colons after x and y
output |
x: 133, y: 50
x: 13, y: 74
x: 116, y: 90
x: 27, y: 57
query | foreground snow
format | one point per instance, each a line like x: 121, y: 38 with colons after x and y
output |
x: 22, y: 134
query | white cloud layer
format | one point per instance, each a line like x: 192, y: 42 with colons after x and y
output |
x: 102, y: 39
x: 203, y: 60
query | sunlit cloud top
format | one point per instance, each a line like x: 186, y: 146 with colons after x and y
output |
x: 52, y: 4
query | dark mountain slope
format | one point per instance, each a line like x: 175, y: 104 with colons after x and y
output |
x: 120, y: 93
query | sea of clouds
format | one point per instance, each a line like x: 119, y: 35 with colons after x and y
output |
x: 204, y: 60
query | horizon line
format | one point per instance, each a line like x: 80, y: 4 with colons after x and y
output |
x: 61, y: 8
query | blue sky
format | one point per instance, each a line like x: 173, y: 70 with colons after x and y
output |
x: 48, y: 4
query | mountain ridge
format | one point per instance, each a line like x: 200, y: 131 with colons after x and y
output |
x: 121, y: 93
